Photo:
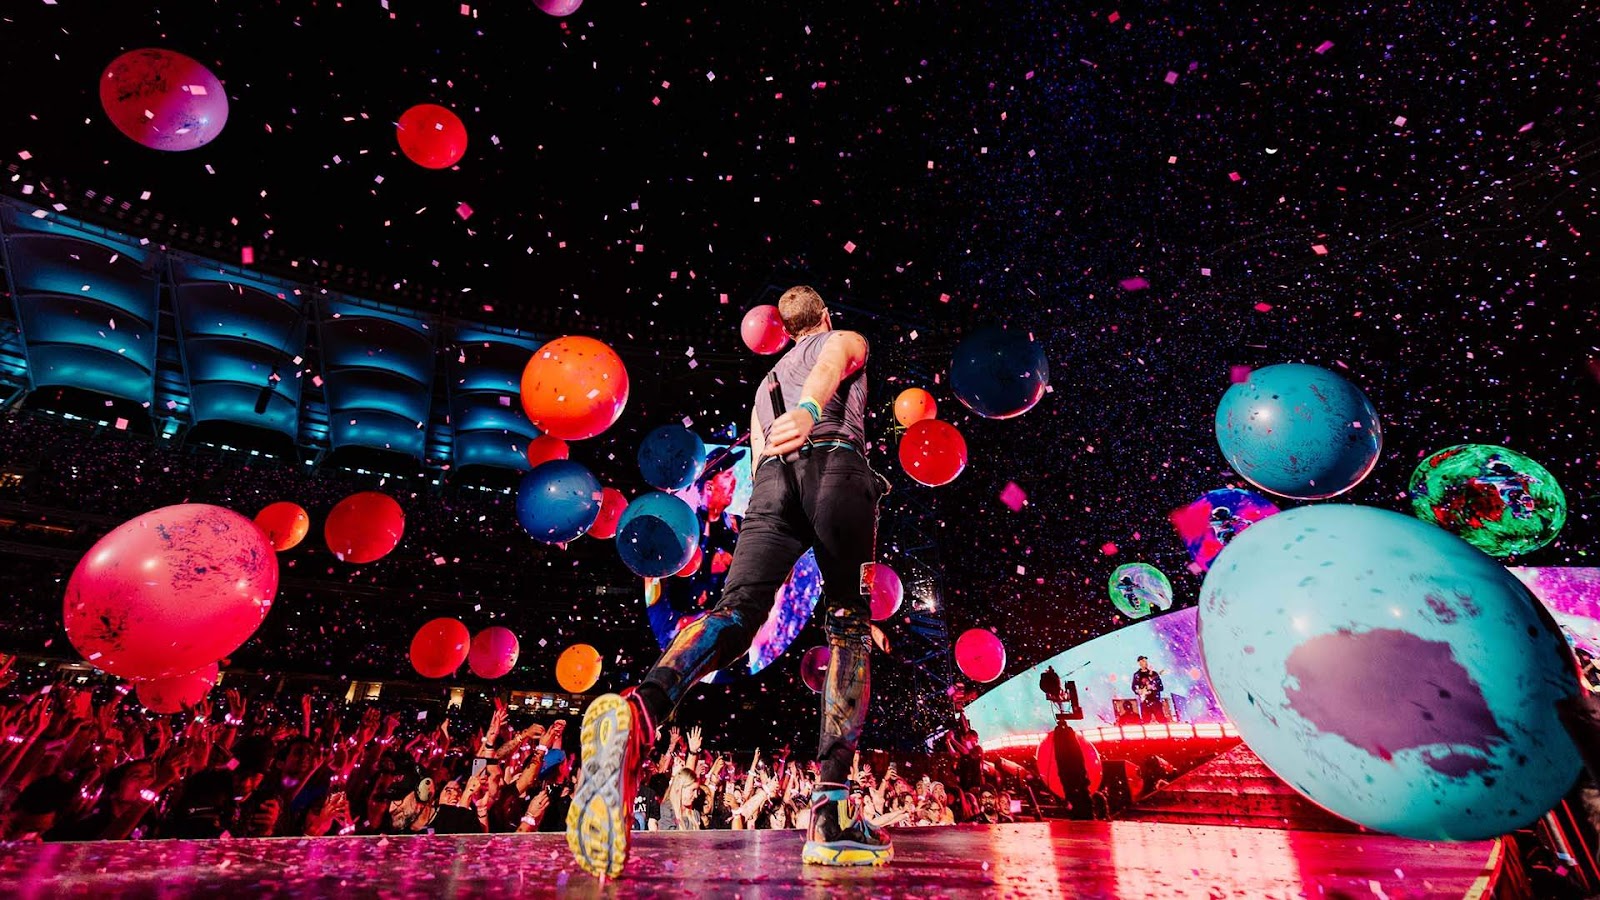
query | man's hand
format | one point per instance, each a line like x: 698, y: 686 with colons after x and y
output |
x: 694, y: 740
x: 788, y: 433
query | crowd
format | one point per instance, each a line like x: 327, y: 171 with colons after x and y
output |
x: 86, y: 762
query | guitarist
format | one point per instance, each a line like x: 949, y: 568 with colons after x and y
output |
x: 1147, y: 685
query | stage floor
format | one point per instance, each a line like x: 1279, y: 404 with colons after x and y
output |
x: 1057, y: 859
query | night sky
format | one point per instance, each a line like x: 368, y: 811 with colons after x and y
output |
x: 1404, y: 193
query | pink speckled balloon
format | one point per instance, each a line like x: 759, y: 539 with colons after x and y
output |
x: 163, y: 100
x: 493, y: 652
x: 558, y: 7
x: 171, y: 591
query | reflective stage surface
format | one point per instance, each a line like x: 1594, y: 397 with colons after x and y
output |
x: 1058, y: 859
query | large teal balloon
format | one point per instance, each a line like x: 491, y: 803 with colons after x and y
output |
x: 657, y: 534
x: 557, y: 501
x: 1299, y: 431
x: 671, y: 457
x: 1390, y: 671
x: 999, y: 372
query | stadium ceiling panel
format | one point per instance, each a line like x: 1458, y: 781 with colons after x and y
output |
x: 484, y: 367
x: 378, y: 366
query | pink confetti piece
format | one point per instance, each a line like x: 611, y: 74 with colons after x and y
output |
x: 849, y: 246
x: 944, y: 298
x: 24, y: 155
x: 1324, y: 47
x: 1238, y: 374
x: 1527, y: 127
x: 1013, y: 497
x: 1108, y: 548
x: 247, y: 255
x: 1114, y: 17
x: 122, y: 424
x: 1263, y: 307
x: 464, y: 211
x: 1400, y: 121
x: 1134, y: 284
x: 1319, y: 249
x: 1172, y: 78
x: 1234, y: 176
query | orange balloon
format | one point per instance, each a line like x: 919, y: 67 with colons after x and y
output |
x: 284, y: 523
x: 544, y: 448
x: 574, y: 387
x: 578, y: 668
x: 913, y: 405
x: 364, y: 527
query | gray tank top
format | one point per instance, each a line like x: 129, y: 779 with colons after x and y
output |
x: 845, y: 416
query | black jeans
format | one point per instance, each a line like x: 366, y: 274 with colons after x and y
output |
x: 826, y: 500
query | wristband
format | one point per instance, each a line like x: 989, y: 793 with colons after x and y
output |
x: 813, y: 407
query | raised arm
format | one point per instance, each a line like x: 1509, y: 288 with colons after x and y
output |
x: 842, y: 356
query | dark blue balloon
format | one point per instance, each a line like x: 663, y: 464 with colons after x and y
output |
x: 657, y: 534
x: 999, y: 372
x: 671, y: 457
x: 558, y: 501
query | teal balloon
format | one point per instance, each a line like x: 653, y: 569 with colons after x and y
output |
x: 1137, y: 588
x: 1299, y: 431
x: 999, y: 372
x: 1495, y: 498
x: 557, y: 501
x: 671, y: 457
x: 657, y: 534
x: 1390, y: 671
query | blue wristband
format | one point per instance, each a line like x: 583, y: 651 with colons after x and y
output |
x: 811, y: 407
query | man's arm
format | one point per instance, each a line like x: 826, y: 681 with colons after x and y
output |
x: 842, y: 356
x: 756, y: 440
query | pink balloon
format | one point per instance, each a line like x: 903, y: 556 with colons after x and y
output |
x: 762, y: 330
x: 814, y: 667
x: 163, y: 100
x: 170, y: 591
x: 173, y: 695
x: 440, y: 647
x: 493, y: 652
x: 887, y: 592
x: 980, y: 655
x: 558, y: 7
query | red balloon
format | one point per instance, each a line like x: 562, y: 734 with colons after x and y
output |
x: 980, y: 654
x: 163, y: 100
x: 364, y: 527
x: 176, y: 694
x: 440, y: 647
x: 558, y: 7
x: 493, y: 652
x: 933, y: 452
x: 612, y: 505
x: 913, y: 405
x: 1046, y: 758
x: 170, y: 591
x: 284, y: 523
x: 544, y: 448
x: 814, y: 667
x: 693, y: 565
x: 431, y: 136
x: 887, y: 592
x: 762, y: 330
x: 574, y: 387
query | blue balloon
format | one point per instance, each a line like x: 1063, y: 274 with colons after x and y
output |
x: 998, y: 372
x: 1299, y: 431
x: 657, y: 534
x: 558, y: 501
x: 671, y: 457
x: 1390, y: 671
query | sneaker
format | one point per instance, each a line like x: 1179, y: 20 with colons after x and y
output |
x: 616, y: 732
x: 838, y: 836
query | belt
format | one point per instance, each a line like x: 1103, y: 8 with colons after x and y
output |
x: 826, y: 445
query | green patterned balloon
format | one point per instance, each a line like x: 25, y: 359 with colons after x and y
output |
x: 1495, y: 498
x: 1136, y: 588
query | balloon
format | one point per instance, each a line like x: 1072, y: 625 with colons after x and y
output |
x: 364, y: 527
x: 170, y: 591
x: 178, y: 693
x: 1137, y: 588
x: 558, y: 7
x: 1390, y: 671
x: 933, y: 452
x: 284, y: 523
x: 574, y: 387
x: 671, y: 457
x: 1494, y: 498
x: 493, y: 652
x: 999, y: 372
x: 980, y: 655
x: 913, y: 405
x: 440, y: 647
x: 545, y: 448
x: 762, y: 330
x: 431, y: 136
x: 578, y: 668
x: 814, y: 667
x: 1209, y: 523
x: 657, y: 534
x: 1299, y: 431
x: 693, y: 565
x: 887, y: 592
x: 1050, y: 773
x: 612, y: 503
x: 163, y: 100
x: 558, y: 501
